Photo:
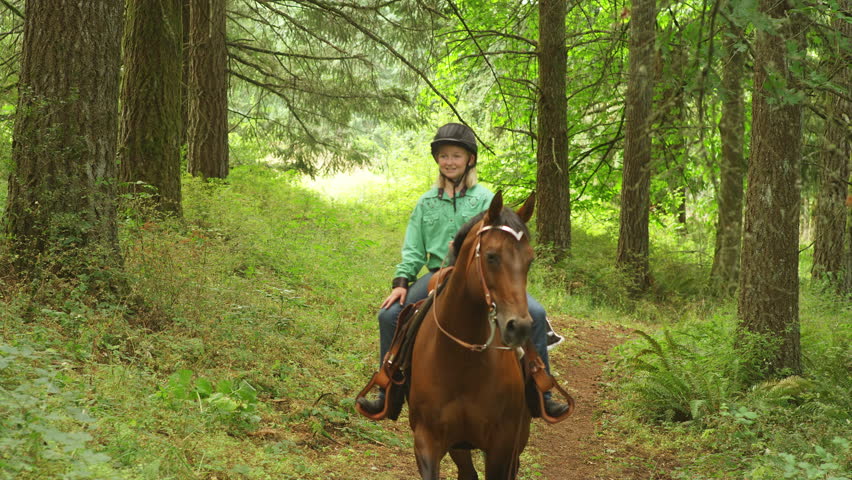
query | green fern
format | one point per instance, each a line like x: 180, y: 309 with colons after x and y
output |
x: 675, y: 382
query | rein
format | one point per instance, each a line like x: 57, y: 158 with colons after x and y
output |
x: 492, y: 306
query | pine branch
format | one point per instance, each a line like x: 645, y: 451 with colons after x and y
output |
x: 610, y: 145
x: 484, y: 57
x: 484, y: 54
x: 243, y: 46
x: 370, y: 34
x: 478, y: 34
x: 12, y: 8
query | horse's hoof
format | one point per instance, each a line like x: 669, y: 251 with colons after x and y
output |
x: 371, y: 406
x: 554, y: 408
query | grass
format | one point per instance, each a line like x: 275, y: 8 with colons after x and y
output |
x: 250, y: 326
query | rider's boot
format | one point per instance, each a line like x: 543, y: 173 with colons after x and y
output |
x: 373, y: 406
x: 554, y: 407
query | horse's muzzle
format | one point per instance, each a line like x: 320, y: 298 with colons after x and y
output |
x: 516, y: 330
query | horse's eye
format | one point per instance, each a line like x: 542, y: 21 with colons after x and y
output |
x: 492, y: 259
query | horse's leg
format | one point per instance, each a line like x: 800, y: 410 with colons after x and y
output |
x: 501, y: 465
x: 464, y: 462
x: 428, y: 454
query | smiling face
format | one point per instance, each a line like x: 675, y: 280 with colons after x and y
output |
x: 452, y: 160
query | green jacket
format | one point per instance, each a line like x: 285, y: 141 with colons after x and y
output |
x: 433, y: 224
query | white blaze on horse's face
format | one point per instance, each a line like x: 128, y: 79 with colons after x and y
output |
x: 505, y: 256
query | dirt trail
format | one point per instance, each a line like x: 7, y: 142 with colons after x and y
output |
x: 569, y: 449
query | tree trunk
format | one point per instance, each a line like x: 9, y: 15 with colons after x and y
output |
x: 151, y: 98
x: 552, y: 176
x: 830, y: 214
x: 62, y: 186
x: 207, y: 133
x: 725, y: 272
x: 184, y: 81
x: 668, y: 140
x: 632, y: 255
x: 768, y: 329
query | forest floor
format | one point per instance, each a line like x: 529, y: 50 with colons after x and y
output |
x: 575, y: 449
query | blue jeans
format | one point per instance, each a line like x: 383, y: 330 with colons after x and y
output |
x: 420, y: 290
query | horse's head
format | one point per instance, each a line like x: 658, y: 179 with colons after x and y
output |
x: 498, y: 266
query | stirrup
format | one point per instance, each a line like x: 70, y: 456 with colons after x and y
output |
x: 544, y: 382
x: 383, y: 382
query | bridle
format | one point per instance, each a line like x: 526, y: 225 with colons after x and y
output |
x: 492, y: 306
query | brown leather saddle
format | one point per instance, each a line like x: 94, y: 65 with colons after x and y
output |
x: 395, y: 369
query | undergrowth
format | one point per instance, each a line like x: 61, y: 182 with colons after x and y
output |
x: 685, y: 384
x: 254, y: 313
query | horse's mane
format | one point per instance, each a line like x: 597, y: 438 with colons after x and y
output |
x: 507, y: 217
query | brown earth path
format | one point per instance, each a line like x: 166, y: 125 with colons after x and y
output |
x: 571, y: 450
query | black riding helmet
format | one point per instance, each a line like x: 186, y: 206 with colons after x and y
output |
x: 455, y: 134
x: 462, y: 136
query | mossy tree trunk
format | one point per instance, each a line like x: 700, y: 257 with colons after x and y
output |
x: 830, y: 214
x: 768, y: 306
x: 632, y: 254
x: 553, y: 220
x: 207, y: 132
x: 725, y: 271
x: 184, y: 81
x: 63, y: 181
x: 668, y: 142
x: 150, y: 132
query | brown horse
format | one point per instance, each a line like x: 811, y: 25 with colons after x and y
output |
x: 467, y: 389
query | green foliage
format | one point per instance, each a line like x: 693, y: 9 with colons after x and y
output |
x: 822, y: 464
x: 226, y: 401
x: 45, y: 424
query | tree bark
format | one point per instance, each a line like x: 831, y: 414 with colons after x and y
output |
x: 668, y: 141
x: 184, y: 81
x: 725, y: 271
x: 830, y: 214
x: 768, y: 306
x: 62, y: 185
x: 207, y: 133
x: 553, y: 220
x: 150, y: 128
x: 632, y: 254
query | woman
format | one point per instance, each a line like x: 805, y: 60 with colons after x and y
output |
x: 438, y: 215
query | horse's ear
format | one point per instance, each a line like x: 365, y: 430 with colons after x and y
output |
x: 496, y: 206
x: 526, y: 210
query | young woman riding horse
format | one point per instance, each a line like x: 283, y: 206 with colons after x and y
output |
x: 465, y: 393
x: 438, y: 215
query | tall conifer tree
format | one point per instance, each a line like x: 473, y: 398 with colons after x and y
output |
x: 726, y: 260
x: 632, y: 254
x: 150, y: 132
x: 552, y: 177
x: 768, y: 305
x: 207, y: 105
x: 62, y: 186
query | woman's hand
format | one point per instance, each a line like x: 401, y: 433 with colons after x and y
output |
x: 398, y: 294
